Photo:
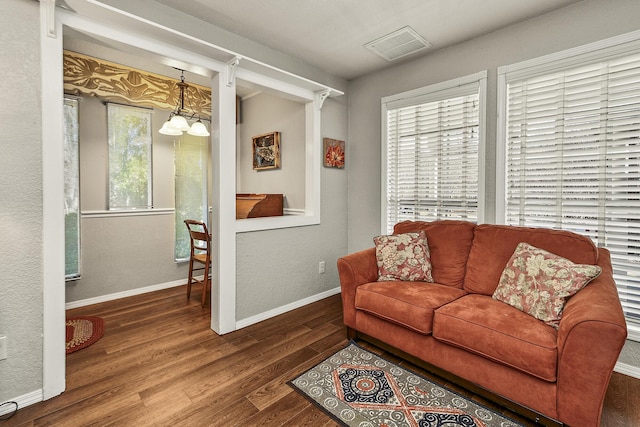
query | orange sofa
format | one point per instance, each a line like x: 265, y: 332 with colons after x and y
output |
x: 455, y: 328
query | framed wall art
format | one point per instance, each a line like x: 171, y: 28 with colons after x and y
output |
x: 334, y: 155
x: 266, y: 151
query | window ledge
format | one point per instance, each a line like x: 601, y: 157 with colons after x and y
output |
x: 275, y: 222
x: 127, y: 212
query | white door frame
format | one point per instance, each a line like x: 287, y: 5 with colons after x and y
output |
x: 131, y: 31
x: 223, y: 318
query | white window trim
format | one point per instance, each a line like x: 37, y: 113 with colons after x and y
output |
x: 126, y: 212
x: 111, y: 106
x: 313, y: 151
x: 614, y: 46
x: 597, y: 51
x: 431, y: 93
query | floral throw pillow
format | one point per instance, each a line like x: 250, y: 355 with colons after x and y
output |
x: 539, y: 283
x: 403, y: 257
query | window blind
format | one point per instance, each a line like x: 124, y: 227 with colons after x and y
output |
x: 130, y: 157
x: 573, y: 160
x: 432, y: 158
x: 71, y: 190
x: 191, y: 191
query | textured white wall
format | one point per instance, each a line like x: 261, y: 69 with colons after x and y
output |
x: 578, y: 24
x: 20, y: 199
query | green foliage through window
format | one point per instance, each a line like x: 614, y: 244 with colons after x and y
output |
x: 191, y: 154
x: 71, y: 190
x: 129, y: 157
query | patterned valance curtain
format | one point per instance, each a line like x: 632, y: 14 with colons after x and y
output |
x: 111, y: 82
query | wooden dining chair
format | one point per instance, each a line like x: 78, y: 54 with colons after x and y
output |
x: 200, y: 253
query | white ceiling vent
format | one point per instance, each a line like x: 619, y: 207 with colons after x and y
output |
x: 400, y: 43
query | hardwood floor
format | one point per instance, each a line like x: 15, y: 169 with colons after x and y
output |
x: 159, y: 364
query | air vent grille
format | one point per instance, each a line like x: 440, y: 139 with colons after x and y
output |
x: 402, y: 42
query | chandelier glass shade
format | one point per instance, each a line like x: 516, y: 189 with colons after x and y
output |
x: 178, y: 123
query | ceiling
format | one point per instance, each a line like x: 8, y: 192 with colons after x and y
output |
x: 331, y: 34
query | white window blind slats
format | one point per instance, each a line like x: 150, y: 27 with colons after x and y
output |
x: 432, y: 160
x: 573, y: 159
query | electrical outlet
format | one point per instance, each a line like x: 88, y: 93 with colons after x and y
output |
x: 3, y: 347
x: 321, y: 267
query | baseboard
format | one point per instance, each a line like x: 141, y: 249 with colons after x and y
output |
x: 124, y: 294
x: 239, y: 324
x: 285, y: 308
x: 22, y: 401
x: 623, y: 368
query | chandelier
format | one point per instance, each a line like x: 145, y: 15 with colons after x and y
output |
x: 178, y: 119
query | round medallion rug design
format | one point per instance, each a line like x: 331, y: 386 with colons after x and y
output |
x: 360, y: 389
x: 82, y: 331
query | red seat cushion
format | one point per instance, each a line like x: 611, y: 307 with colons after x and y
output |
x: 497, y: 331
x: 410, y: 304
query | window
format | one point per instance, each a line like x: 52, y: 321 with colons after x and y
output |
x: 571, y: 145
x: 129, y: 157
x: 432, y: 147
x: 191, y: 157
x: 71, y: 190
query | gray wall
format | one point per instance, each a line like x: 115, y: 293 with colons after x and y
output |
x: 121, y: 254
x: 265, y: 113
x: 21, y: 262
x: 580, y: 23
x: 278, y: 267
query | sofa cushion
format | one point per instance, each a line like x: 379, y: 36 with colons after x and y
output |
x: 493, y: 245
x: 497, y: 331
x: 410, y: 304
x: 449, y: 245
x: 403, y: 257
x: 538, y: 282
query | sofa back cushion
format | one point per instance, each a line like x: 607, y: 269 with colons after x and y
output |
x: 449, y: 244
x: 493, y: 246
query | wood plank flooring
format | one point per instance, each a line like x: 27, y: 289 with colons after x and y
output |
x: 159, y: 364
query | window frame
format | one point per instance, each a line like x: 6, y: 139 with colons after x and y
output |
x: 184, y: 148
x: 110, y: 107
x: 473, y: 83
x: 614, y: 47
x: 77, y: 274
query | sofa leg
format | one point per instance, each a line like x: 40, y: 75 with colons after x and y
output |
x: 352, y: 334
x: 445, y: 377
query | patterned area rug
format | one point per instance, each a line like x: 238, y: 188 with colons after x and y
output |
x: 83, y: 331
x: 360, y: 389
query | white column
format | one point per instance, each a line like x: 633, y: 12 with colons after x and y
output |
x: 223, y: 140
x: 53, y: 364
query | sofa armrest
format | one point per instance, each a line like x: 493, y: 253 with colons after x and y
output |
x: 354, y: 270
x: 591, y: 335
